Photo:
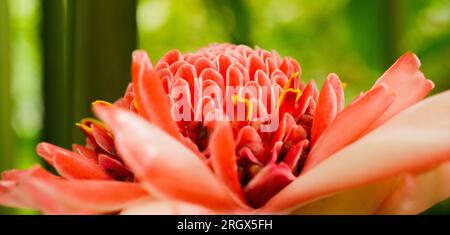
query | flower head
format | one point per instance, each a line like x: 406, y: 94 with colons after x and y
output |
x: 231, y: 129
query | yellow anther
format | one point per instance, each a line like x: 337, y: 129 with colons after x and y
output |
x: 254, y: 169
x: 101, y: 102
x: 236, y: 98
x: 88, y: 121
x: 84, y: 128
x: 135, y: 104
x: 289, y: 81
x: 285, y: 91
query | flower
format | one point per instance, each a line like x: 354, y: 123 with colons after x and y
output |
x: 231, y: 129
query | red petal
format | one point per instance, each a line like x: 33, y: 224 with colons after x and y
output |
x: 203, y: 63
x: 72, y: 166
x: 115, y: 168
x: 46, y: 150
x: 388, y: 151
x: 326, y: 111
x: 103, y: 138
x: 223, y: 159
x: 247, y: 135
x: 172, y: 56
x: 338, y: 91
x: 151, y: 98
x: 165, y: 166
x: 85, y: 152
x: 269, y: 181
x: 211, y: 74
x: 223, y: 62
x: 350, y: 124
x: 407, y: 82
x: 294, y: 154
x: 38, y: 189
x: 253, y: 64
x: 234, y: 77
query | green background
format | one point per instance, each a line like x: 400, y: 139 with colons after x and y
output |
x: 56, y: 56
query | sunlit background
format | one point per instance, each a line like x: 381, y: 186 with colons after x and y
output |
x: 57, y: 56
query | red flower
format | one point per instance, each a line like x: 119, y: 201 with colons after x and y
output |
x: 230, y: 129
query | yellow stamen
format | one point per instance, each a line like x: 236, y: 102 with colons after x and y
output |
x: 283, y: 95
x: 84, y: 128
x: 135, y: 104
x: 236, y: 98
x: 101, y: 102
x: 289, y: 81
x: 88, y: 121
x: 254, y: 169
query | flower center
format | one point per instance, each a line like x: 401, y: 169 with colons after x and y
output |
x: 260, y: 94
x: 270, y: 110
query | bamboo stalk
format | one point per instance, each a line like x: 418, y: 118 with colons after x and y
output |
x: 56, y: 84
x: 6, y: 134
x: 7, y: 137
x: 102, y: 35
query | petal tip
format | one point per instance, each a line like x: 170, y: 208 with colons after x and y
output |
x: 410, y: 58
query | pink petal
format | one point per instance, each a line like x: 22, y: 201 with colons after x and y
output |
x: 12, y: 191
x: 211, y: 74
x: 150, y: 94
x: 338, y: 90
x: 326, y: 111
x: 362, y: 200
x: 308, y: 92
x: 414, y: 140
x: 154, y: 207
x: 202, y: 63
x: 72, y: 166
x: 46, y: 150
x: 103, y: 138
x: 247, y: 135
x: 52, y: 195
x: 409, y: 85
x: 166, y: 167
x: 234, y: 76
x: 294, y: 154
x: 115, y: 168
x: 85, y: 152
x: 253, y: 64
x: 223, y: 158
x: 269, y: 181
x: 223, y: 62
x: 350, y: 124
x: 172, y: 56
x: 418, y: 191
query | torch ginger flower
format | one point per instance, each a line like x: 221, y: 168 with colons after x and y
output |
x: 193, y: 135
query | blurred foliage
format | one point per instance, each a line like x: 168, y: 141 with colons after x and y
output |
x: 101, y: 37
x: 6, y: 133
x: 356, y: 39
x: 56, y: 56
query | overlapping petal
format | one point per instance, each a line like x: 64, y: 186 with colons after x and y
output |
x: 38, y: 189
x: 378, y: 155
x: 418, y: 191
x: 392, y: 149
x: 166, y: 167
x: 345, y: 129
